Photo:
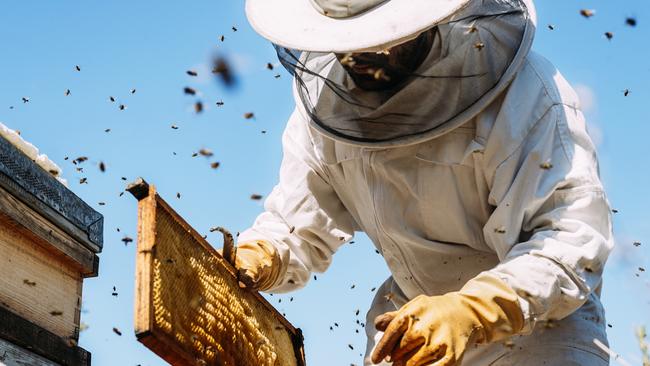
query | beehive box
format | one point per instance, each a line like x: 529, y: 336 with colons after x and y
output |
x: 48, y: 243
x: 189, y: 307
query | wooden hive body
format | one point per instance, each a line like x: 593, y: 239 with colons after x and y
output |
x: 189, y: 307
x: 48, y: 243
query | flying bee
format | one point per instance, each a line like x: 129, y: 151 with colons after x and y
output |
x: 206, y: 152
x: 587, y: 13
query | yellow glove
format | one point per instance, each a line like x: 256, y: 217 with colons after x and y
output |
x: 436, y: 330
x: 258, y: 264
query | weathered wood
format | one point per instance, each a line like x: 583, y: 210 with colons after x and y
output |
x: 38, y: 284
x: 43, y: 232
x: 194, y: 311
x: 28, y: 182
x: 11, y: 355
x: 31, y: 337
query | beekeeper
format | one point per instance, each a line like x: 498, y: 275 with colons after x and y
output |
x: 431, y: 126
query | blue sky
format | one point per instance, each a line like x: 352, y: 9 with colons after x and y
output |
x: 148, y: 45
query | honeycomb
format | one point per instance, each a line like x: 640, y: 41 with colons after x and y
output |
x: 198, y: 304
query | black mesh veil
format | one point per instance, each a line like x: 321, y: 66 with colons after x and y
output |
x: 474, y: 55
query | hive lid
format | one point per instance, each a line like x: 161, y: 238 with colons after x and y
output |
x: 25, y: 180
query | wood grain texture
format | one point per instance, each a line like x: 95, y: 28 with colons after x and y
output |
x: 11, y: 355
x: 38, y: 285
x: 196, y: 313
x: 40, y: 230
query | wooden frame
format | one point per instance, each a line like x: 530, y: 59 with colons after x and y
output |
x: 161, y: 342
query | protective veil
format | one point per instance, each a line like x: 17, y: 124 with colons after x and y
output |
x: 475, y: 53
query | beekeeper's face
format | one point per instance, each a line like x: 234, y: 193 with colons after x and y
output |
x: 387, y: 69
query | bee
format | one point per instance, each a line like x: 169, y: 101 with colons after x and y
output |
x: 551, y: 27
x: 29, y: 283
x: 67, y: 92
x: 107, y: 130
x: 500, y: 230
x: 630, y: 21
x: 112, y: 99
x: 122, y: 107
x: 114, y: 293
x: 191, y: 73
x: 277, y: 76
x: 198, y: 107
x: 77, y: 67
x: 479, y: 46
x: 56, y: 313
x: 256, y: 197
x: 25, y: 99
x: 546, y: 165
x: 220, y: 103
x: 222, y: 69
x: 102, y: 167
x: 215, y: 165
x: 189, y: 91
x: 101, y: 203
x: 234, y: 29
x: 133, y: 91
x: 174, y: 127
x: 222, y: 38
x: 637, y: 244
x: 269, y: 66
x: 178, y: 195
x: 609, y: 35
x: 83, y: 181
x: 626, y: 92
x: 126, y: 240
x: 587, y: 13
x: 206, y: 152
x: 249, y: 115
x: 79, y: 160
x: 117, y: 331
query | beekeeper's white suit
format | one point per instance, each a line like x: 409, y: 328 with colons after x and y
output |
x: 514, y: 191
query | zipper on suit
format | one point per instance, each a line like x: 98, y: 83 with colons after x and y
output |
x: 368, y: 157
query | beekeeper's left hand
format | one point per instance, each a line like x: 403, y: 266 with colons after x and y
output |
x: 436, y: 330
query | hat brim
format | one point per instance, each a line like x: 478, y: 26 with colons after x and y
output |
x: 296, y: 24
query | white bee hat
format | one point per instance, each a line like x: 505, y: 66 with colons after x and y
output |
x: 346, y: 25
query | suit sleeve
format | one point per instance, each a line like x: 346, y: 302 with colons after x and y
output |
x: 551, y: 226
x: 304, y: 217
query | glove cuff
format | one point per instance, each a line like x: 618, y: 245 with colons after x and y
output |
x: 496, y: 306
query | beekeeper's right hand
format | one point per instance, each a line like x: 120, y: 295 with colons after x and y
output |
x: 258, y: 264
